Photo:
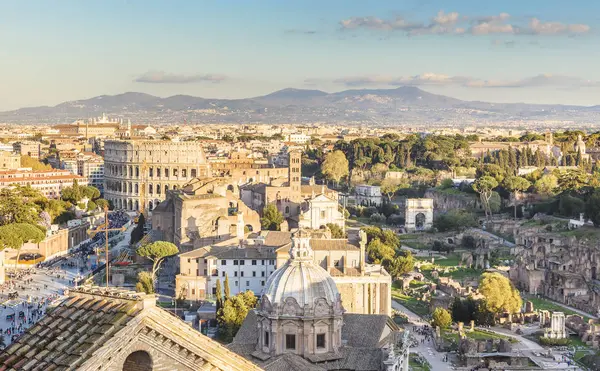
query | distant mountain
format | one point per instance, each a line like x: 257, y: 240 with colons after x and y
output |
x: 403, y: 105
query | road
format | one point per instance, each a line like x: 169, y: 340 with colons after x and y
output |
x: 427, y: 349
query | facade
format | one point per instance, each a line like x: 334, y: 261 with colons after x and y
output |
x: 143, y: 171
x: 246, y: 267
x: 91, y: 166
x: 9, y: 160
x: 49, y: 182
x: 300, y: 323
x: 319, y: 211
x: 205, y: 212
x: 116, y: 330
x: 31, y: 149
x: 418, y: 214
x: 368, y: 195
x: 95, y: 127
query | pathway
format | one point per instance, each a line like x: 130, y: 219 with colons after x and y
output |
x: 427, y: 349
x: 491, y: 235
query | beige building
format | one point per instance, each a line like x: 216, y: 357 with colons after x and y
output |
x: 31, y: 149
x: 364, y: 288
x: 204, y: 212
x: 49, y: 182
x: 9, y: 160
x: 147, y: 169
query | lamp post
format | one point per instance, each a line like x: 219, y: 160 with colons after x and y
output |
x: 105, y: 227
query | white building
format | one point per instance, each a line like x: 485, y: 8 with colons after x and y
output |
x: 368, y: 195
x: 300, y: 138
x: 321, y: 210
x: 49, y: 182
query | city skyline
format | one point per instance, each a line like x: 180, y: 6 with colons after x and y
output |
x: 538, y: 52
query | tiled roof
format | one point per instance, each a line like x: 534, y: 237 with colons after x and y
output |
x: 277, y: 238
x: 330, y: 245
x: 70, y: 333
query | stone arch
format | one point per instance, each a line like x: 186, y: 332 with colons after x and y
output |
x: 230, y: 188
x: 420, y: 221
x: 139, y: 360
x: 249, y: 227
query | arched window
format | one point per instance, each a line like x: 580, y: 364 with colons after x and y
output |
x: 287, y: 209
x: 158, y: 189
x: 184, y: 173
x: 136, y: 188
x: 150, y: 188
x: 139, y: 361
x: 166, y: 188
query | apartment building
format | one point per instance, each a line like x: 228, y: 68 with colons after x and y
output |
x: 49, y: 182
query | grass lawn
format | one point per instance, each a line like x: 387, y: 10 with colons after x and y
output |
x: 417, y: 366
x: 543, y: 304
x: 462, y: 273
x: 451, y: 260
x: 416, y: 306
x: 583, y: 232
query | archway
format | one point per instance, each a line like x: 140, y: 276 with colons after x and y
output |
x: 420, y: 221
x: 139, y: 361
x: 230, y: 188
x: 248, y: 228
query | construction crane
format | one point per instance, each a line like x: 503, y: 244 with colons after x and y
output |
x: 105, y: 227
x: 143, y: 187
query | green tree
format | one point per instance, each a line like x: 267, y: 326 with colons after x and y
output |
x: 592, y: 208
x: 16, y: 234
x: 101, y: 203
x: 335, y: 166
x: 378, y: 251
x: 90, y: 192
x: 91, y: 206
x: 455, y: 220
x: 227, y: 292
x: 441, y: 318
x: 500, y: 294
x: 485, y: 186
x: 336, y: 231
x: 145, y: 283
x: 570, y: 206
x: 399, y: 265
x: 20, y: 205
x: 390, y: 186
x: 572, y: 180
x: 271, y: 218
x: 157, y: 252
x: 219, y: 294
x: 546, y: 185
x: 138, y: 232
x: 516, y: 184
x: 233, y: 312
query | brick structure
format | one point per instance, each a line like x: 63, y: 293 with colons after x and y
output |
x: 112, y: 330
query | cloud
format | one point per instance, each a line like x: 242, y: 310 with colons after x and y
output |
x: 161, y: 77
x: 542, y: 80
x: 302, y: 32
x: 536, y: 81
x: 454, y: 24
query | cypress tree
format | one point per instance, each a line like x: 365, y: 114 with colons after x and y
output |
x: 227, y: 292
x: 219, y: 295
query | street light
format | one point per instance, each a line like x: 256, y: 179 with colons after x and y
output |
x: 105, y: 228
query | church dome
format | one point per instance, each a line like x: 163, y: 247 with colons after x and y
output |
x: 301, y: 279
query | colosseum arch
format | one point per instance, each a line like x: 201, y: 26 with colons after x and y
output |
x: 139, y: 361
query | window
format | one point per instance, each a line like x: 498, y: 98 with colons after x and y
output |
x: 193, y: 291
x: 189, y: 260
x: 253, y: 274
x: 214, y: 290
x: 290, y: 341
x: 242, y: 262
x: 235, y: 274
x: 247, y: 283
x: 223, y: 262
x: 223, y: 274
x: 263, y: 262
x: 266, y: 338
x: 242, y: 273
x: 236, y: 283
x: 262, y: 274
x: 322, y: 214
x: 321, y: 341
x: 205, y: 271
x: 158, y: 172
x: 262, y: 283
x: 193, y: 173
x: 253, y: 262
x: 235, y: 262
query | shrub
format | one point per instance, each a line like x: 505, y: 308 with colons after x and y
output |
x: 377, y: 218
x: 395, y: 219
x: 553, y: 342
x: 369, y: 211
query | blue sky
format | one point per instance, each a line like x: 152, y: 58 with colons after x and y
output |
x: 506, y: 51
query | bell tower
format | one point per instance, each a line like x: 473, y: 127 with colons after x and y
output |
x: 295, y: 173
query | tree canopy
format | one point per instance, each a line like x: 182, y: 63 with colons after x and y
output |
x: 335, y: 166
x: 441, y: 318
x: 500, y: 294
x: 271, y: 219
x: 157, y: 252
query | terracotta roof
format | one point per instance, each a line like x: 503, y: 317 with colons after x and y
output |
x: 70, y: 333
x: 277, y: 238
x: 330, y: 245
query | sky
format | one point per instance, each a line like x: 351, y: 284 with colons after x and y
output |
x: 534, y: 51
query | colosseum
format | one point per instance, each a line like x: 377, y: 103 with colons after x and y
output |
x: 167, y: 164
